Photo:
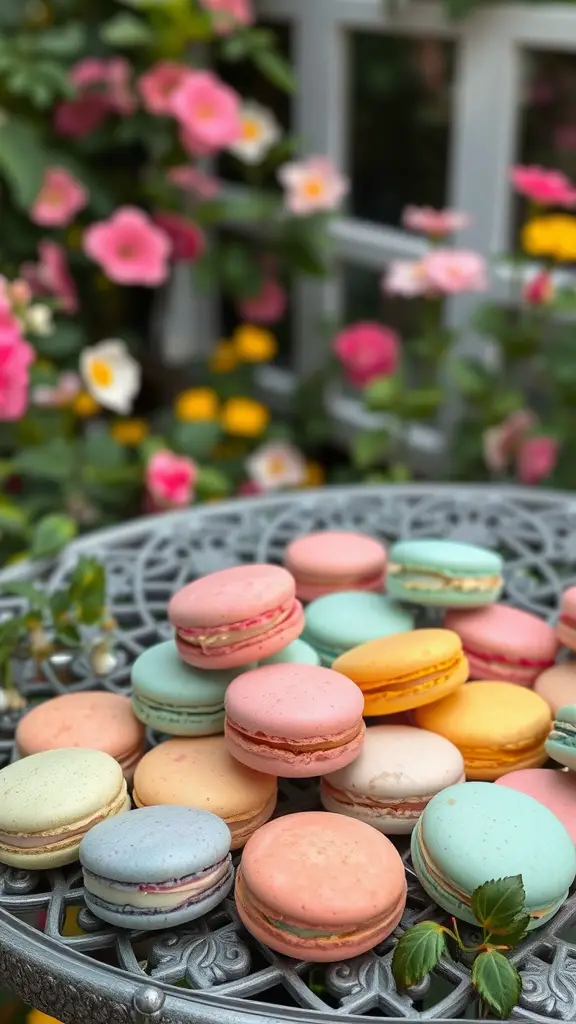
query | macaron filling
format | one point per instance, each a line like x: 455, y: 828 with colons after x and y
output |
x: 346, y: 581
x: 434, y: 676
x: 158, y: 897
x: 505, y: 754
x: 311, y: 745
x: 567, y: 620
x: 428, y: 579
x: 489, y: 658
x: 171, y: 713
x: 217, y: 640
x: 242, y: 827
x: 564, y: 733
x: 68, y: 835
x: 403, y: 809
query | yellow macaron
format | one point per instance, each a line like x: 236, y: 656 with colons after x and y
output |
x: 498, y: 727
x: 406, y: 670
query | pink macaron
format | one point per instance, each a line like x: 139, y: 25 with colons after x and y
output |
x: 330, y: 561
x: 320, y: 887
x: 557, y: 686
x: 294, y: 720
x: 555, y: 789
x: 504, y: 643
x: 236, y: 616
x: 566, y: 627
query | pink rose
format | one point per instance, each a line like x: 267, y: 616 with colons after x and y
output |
x: 501, y: 443
x: 59, y: 199
x: 312, y: 186
x: 542, y: 186
x: 267, y: 307
x: 208, y: 111
x: 129, y: 248
x: 436, y: 223
x: 16, y: 356
x: 540, y: 290
x: 192, y: 179
x: 81, y: 116
x: 51, y: 277
x: 536, y: 459
x: 170, y: 479
x: 451, y: 271
x: 110, y: 77
x: 188, y: 240
x: 366, y: 351
x: 159, y: 83
x: 229, y: 14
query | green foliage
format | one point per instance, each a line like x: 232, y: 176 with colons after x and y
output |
x: 126, y: 31
x: 417, y: 953
x: 51, y: 534
x: 497, y: 982
x: 23, y: 158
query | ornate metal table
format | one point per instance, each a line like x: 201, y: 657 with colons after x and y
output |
x: 213, y: 971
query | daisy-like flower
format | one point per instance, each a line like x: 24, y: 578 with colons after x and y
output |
x: 259, y: 132
x: 312, y: 185
x: 276, y: 466
x: 111, y: 375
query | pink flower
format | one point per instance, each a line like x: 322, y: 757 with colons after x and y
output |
x: 208, y: 111
x: 536, y: 459
x: 16, y: 356
x: 367, y: 350
x: 312, y: 185
x: 188, y: 240
x: 405, y: 277
x: 10, y: 330
x: 159, y: 83
x: 56, y: 396
x: 540, y: 290
x: 267, y: 307
x: 542, y: 186
x: 170, y: 479
x: 192, y: 179
x: 111, y: 76
x: 59, y: 199
x: 229, y: 14
x: 79, y: 117
x: 51, y: 277
x: 436, y: 223
x: 451, y: 271
x: 129, y: 248
x: 502, y: 443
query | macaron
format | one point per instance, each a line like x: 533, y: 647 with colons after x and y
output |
x: 338, y: 622
x: 299, y: 651
x: 556, y: 790
x: 400, y: 672
x: 333, y: 560
x: 175, y: 698
x: 444, y: 573
x: 498, y: 727
x: 202, y: 773
x: 236, y: 616
x: 561, y: 743
x: 49, y: 801
x: 320, y: 887
x: 94, y: 720
x: 504, y: 643
x: 474, y: 832
x: 566, y: 625
x: 157, y: 867
x: 294, y: 720
x: 558, y: 685
x: 397, y: 772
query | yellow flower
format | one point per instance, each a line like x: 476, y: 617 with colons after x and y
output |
x: 129, y: 432
x: 85, y: 406
x: 224, y: 358
x: 37, y: 1017
x: 196, y: 404
x: 243, y: 417
x: 254, y: 344
x: 315, y: 474
x: 550, y: 236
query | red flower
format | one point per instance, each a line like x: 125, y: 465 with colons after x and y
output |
x: 188, y: 241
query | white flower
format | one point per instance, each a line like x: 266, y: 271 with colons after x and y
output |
x: 276, y: 465
x: 259, y: 132
x: 39, y: 319
x: 111, y: 375
x: 311, y: 186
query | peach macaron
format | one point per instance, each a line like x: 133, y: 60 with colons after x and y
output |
x: 333, y: 560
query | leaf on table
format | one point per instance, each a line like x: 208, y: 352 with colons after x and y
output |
x: 417, y: 953
x: 497, y: 982
x: 51, y: 534
x: 498, y: 903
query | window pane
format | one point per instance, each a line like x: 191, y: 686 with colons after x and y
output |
x: 401, y: 116
x: 252, y: 85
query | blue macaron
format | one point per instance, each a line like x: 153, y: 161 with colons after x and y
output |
x: 176, y: 699
x: 298, y: 652
x: 338, y: 622
x: 561, y: 743
x: 444, y: 573
x: 474, y: 831
x: 163, y: 866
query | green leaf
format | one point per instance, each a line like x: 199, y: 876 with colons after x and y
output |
x: 51, y: 461
x: 67, y: 633
x: 35, y: 597
x: 276, y: 69
x: 126, y: 30
x: 369, y: 448
x: 255, y: 206
x: 197, y: 439
x: 417, y: 953
x: 421, y: 403
x: 382, y: 392
x: 52, y: 534
x: 497, y: 982
x: 102, y: 451
x: 66, y: 340
x: 66, y: 40
x: 471, y: 378
x: 13, y: 518
x: 23, y: 160
x: 512, y: 936
x: 498, y: 903
x: 88, y: 589
x: 212, y: 483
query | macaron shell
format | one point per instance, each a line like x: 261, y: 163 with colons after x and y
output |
x: 231, y: 595
x: 411, y: 561
x: 330, y: 560
x: 298, y: 651
x: 452, y: 557
x: 252, y: 650
x: 561, y: 743
x: 557, y: 686
x: 340, y: 621
x: 566, y: 631
x: 554, y: 789
x: 505, y: 643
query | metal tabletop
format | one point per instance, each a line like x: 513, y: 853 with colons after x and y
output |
x: 212, y: 971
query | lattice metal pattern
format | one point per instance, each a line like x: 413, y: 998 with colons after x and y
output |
x: 146, y: 562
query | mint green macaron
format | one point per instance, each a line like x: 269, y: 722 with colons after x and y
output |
x: 338, y: 622
x: 444, y: 573
x: 298, y: 652
x: 561, y: 743
x: 174, y: 698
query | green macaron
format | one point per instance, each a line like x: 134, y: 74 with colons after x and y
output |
x: 444, y: 573
x: 338, y: 622
x: 561, y: 743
